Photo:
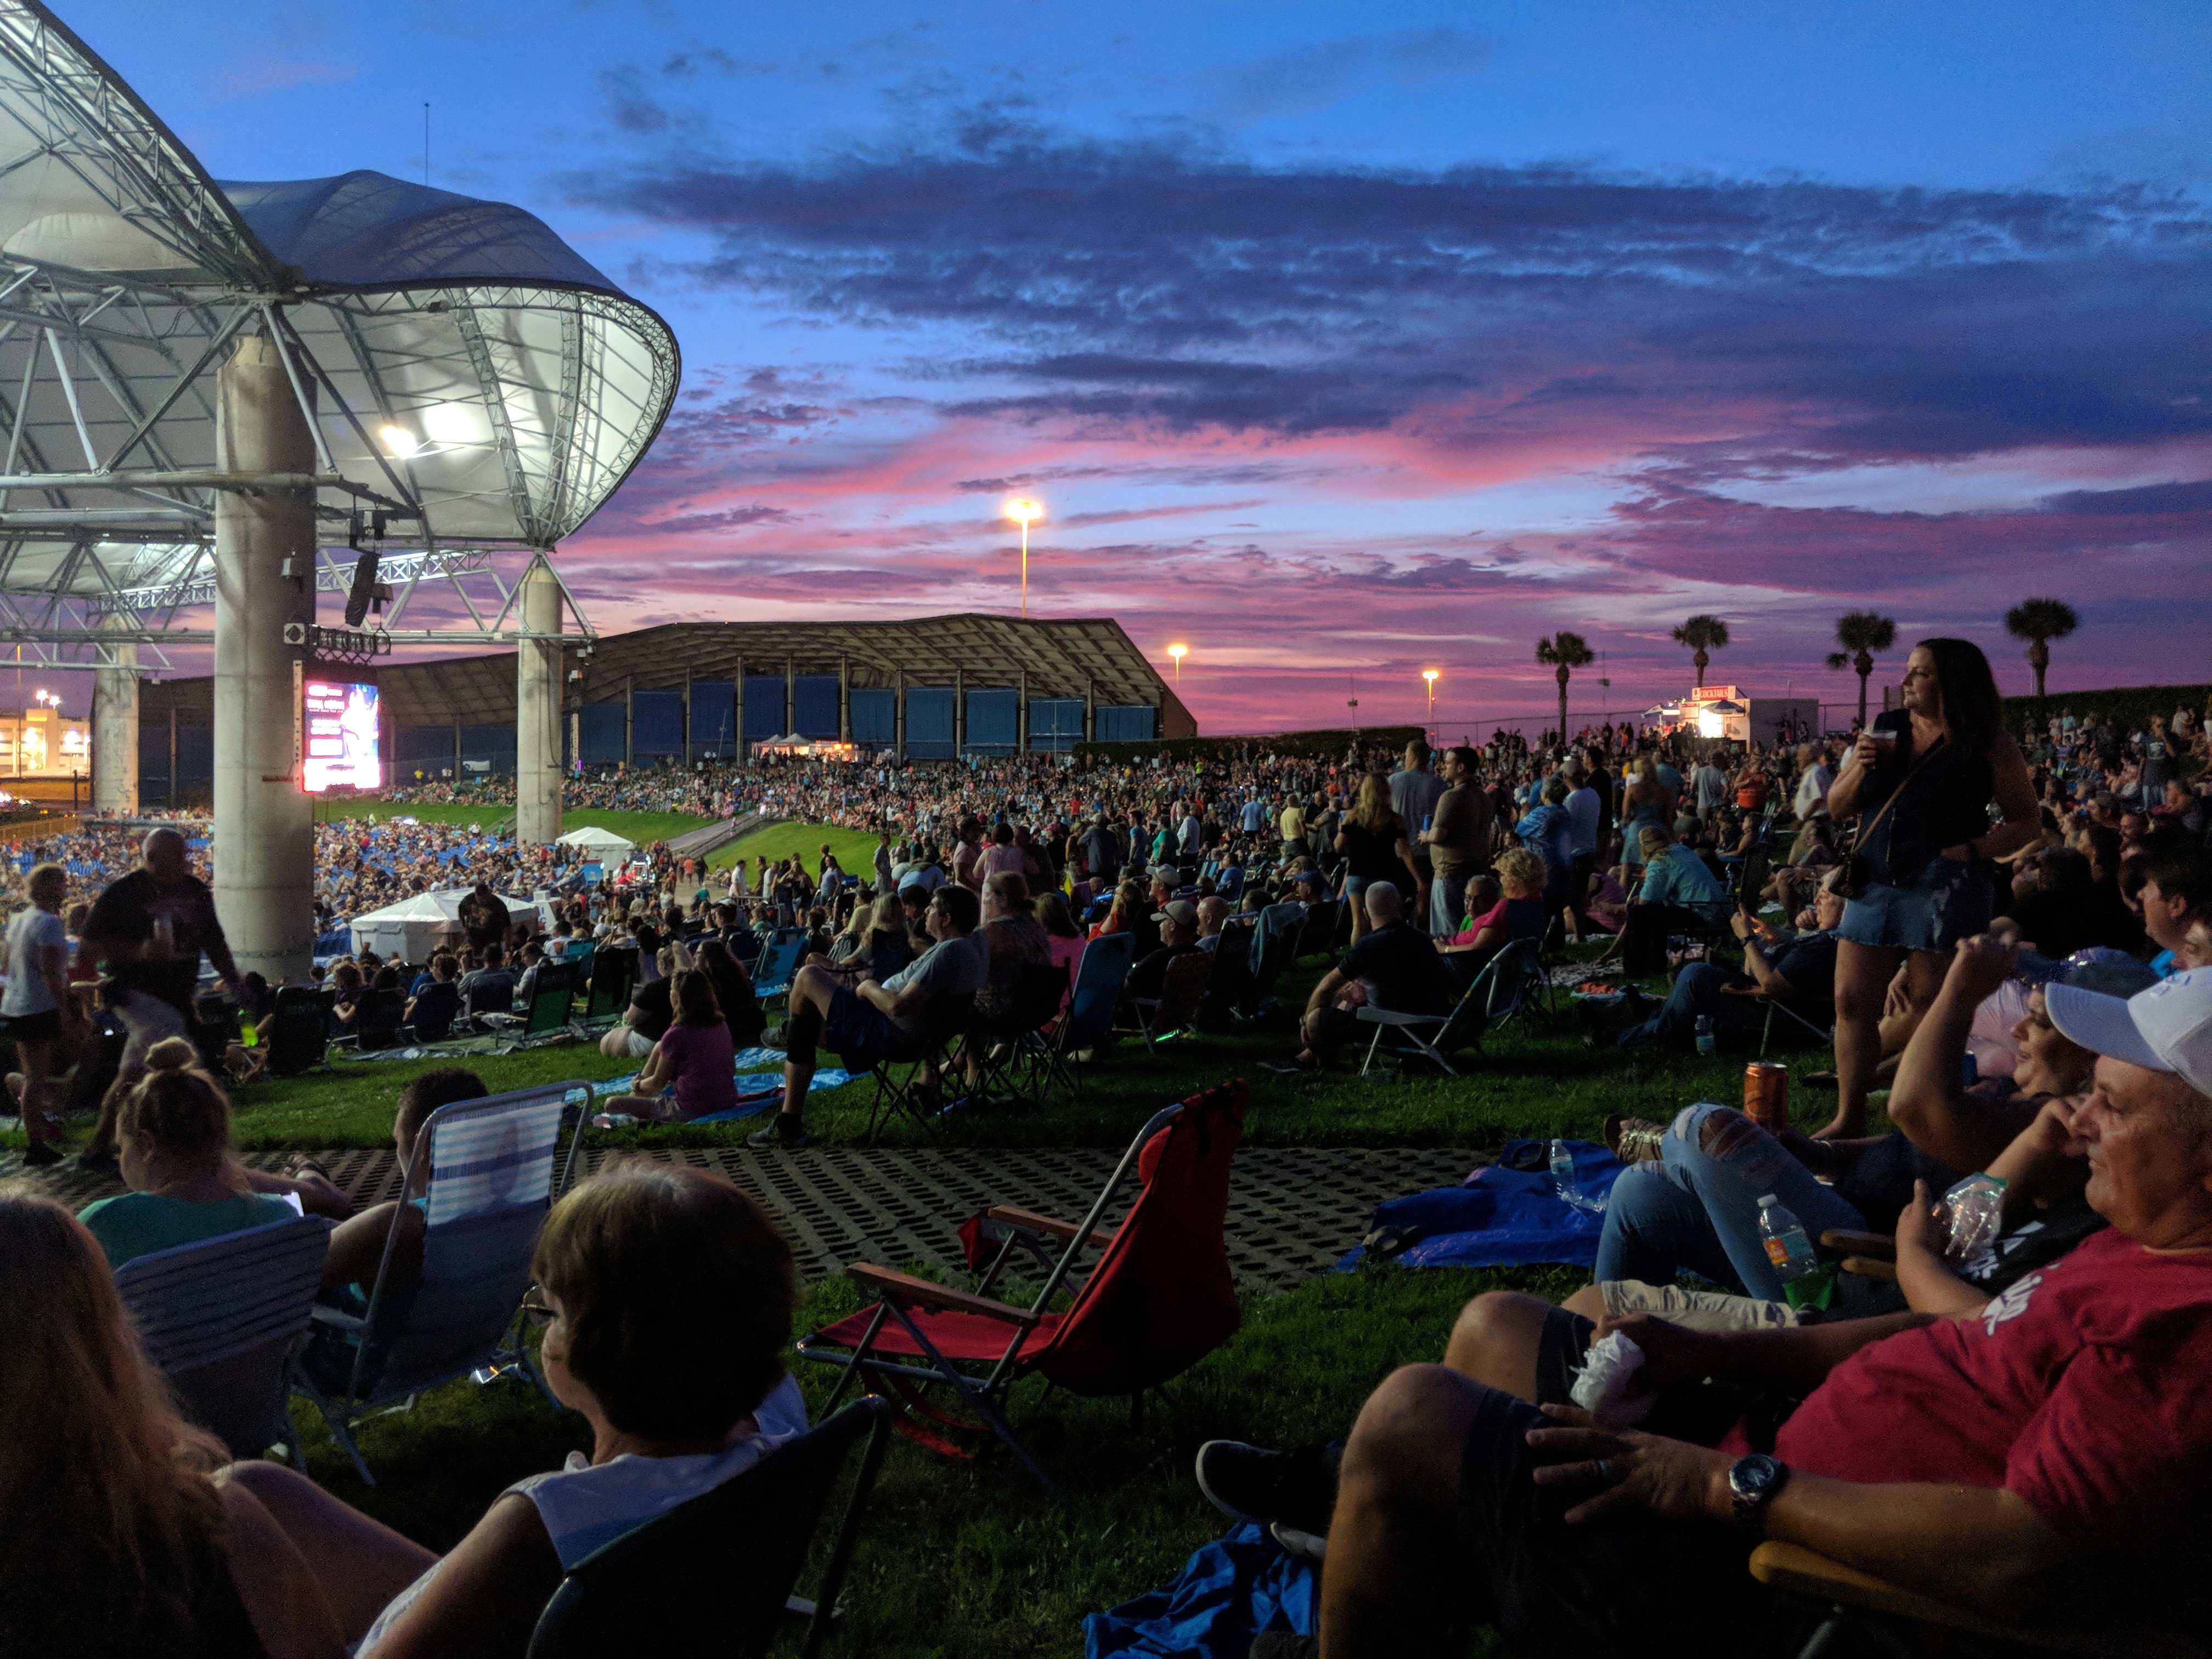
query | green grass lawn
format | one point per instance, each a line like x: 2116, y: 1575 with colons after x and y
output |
x: 855, y: 848
x: 640, y: 827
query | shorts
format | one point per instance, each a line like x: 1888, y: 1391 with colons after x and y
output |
x: 857, y: 1030
x: 639, y: 1045
x: 1945, y: 902
x: 42, y: 1027
x: 1701, y: 1413
x: 147, y: 1020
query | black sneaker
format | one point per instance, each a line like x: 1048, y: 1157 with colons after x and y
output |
x: 40, y: 1154
x: 1250, y: 1483
x: 784, y: 1131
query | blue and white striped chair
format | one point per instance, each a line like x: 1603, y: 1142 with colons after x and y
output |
x: 221, y: 1318
x: 490, y: 1165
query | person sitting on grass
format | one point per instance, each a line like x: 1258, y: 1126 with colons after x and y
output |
x: 649, y: 1013
x: 692, y: 1070
x: 876, y: 1020
x: 1392, y: 965
x: 2040, y: 1464
x: 1799, y: 969
x: 432, y: 1009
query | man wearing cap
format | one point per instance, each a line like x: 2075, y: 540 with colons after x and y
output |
x: 2043, y: 1463
x: 1177, y: 920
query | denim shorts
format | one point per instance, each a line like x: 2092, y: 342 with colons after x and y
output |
x: 1947, y: 901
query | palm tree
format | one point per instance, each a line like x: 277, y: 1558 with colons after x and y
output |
x: 2039, y: 622
x: 1565, y: 651
x: 1702, y: 634
x: 1862, y: 633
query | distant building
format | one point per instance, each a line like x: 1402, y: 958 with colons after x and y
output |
x: 930, y: 689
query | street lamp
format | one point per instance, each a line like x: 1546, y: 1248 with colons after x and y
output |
x: 1178, y: 652
x: 1022, y: 512
x: 1431, y: 676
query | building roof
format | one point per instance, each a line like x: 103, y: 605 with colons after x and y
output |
x: 1072, y: 657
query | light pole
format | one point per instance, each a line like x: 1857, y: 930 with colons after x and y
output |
x: 1178, y: 652
x: 1022, y: 512
x: 1431, y: 674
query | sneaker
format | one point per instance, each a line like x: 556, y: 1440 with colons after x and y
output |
x: 1250, y: 1483
x: 1307, y: 1546
x: 40, y: 1154
x: 99, y: 1163
x: 783, y: 1131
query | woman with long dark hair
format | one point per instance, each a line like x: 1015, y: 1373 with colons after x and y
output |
x: 1921, y: 781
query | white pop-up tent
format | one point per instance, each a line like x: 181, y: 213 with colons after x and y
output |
x: 604, y: 845
x: 412, y: 929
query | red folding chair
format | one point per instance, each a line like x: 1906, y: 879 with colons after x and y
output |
x: 1157, y: 1300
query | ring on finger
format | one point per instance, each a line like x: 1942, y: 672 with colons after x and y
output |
x: 1604, y: 1470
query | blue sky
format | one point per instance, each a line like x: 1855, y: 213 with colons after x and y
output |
x: 1344, y: 341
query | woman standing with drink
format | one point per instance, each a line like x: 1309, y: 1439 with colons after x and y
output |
x: 1920, y: 781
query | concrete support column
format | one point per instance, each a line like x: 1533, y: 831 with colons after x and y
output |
x: 898, y: 718
x: 173, y: 756
x: 630, y: 721
x: 115, y: 727
x: 790, y: 699
x: 1090, y: 710
x: 844, y: 700
x: 959, y: 713
x: 537, y: 709
x: 737, y: 711
x: 264, y: 846
x: 1022, y: 711
x: 686, y: 719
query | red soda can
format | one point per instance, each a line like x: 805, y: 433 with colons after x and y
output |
x: 1766, y: 1094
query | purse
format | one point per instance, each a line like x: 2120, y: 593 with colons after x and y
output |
x: 1857, y: 868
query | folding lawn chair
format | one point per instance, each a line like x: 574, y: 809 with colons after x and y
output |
x: 490, y: 1163
x: 778, y: 964
x: 300, y: 1037
x: 1780, y: 1005
x: 1099, y: 976
x: 1230, y: 988
x: 613, y: 973
x: 1016, y: 1037
x: 378, y: 1018
x: 435, y: 1011
x: 221, y: 1318
x: 714, y: 1575
x: 945, y: 1020
x: 1321, y: 926
x: 1183, y: 988
x: 1158, y: 1299
x: 1505, y: 986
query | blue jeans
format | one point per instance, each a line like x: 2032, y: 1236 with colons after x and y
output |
x: 1691, y: 1210
x: 1697, y: 990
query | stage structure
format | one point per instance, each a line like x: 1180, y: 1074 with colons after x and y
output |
x: 232, y: 397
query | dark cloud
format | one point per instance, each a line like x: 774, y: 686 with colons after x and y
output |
x: 1157, y: 284
x: 633, y: 108
x: 1302, y: 78
x: 2195, y: 496
x: 731, y: 518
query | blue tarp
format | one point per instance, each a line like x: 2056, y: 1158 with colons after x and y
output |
x: 1229, y: 1592
x: 1501, y: 1216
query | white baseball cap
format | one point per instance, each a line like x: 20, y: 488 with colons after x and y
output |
x: 2167, y: 1028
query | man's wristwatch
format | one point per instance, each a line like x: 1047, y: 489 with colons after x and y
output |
x: 1752, y: 1482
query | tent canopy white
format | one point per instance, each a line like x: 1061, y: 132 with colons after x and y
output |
x: 603, y: 844
x: 412, y: 929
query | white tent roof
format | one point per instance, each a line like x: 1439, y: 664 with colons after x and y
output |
x: 465, y: 364
x: 599, y: 840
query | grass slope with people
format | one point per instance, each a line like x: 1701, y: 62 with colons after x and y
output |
x: 855, y: 848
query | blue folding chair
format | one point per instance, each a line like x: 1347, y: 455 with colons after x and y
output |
x: 778, y: 967
x: 1098, y: 979
x: 490, y: 1166
x: 220, y: 1319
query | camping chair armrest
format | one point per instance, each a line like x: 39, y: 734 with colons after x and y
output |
x: 340, y: 1317
x: 900, y: 1288
x: 1868, y: 1267
x: 1030, y: 1221
x: 1851, y: 1240
x: 1801, y: 1571
x: 1374, y: 1016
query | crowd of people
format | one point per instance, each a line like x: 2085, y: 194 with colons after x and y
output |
x: 2013, y: 931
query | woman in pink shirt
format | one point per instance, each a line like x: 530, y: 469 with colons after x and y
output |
x: 693, y: 1068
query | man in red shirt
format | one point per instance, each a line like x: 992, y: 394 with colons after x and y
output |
x: 2046, y: 1463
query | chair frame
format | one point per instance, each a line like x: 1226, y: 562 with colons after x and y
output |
x: 1174, y: 1010
x: 1856, y: 1600
x: 507, y: 1355
x: 948, y: 1020
x: 898, y: 1293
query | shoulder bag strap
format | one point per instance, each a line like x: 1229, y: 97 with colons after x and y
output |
x: 1859, y: 837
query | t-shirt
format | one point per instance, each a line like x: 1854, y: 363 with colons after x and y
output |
x: 956, y: 967
x: 134, y: 1225
x: 1681, y: 877
x: 1464, y: 817
x: 1413, y: 796
x: 1809, y: 963
x: 1583, y: 807
x: 1401, y: 970
x: 703, y: 1058
x: 127, y: 911
x: 651, y: 1010
x: 1292, y: 824
x: 1712, y: 787
x: 2085, y: 1388
x: 1369, y: 854
x: 1253, y: 818
x: 29, y: 933
x: 1521, y: 918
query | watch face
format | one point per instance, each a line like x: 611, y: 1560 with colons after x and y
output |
x: 1751, y: 1480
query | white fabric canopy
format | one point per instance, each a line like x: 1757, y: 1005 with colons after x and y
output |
x: 412, y: 929
x: 604, y: 844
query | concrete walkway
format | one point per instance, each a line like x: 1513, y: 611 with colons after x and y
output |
x: 1293, y: 1211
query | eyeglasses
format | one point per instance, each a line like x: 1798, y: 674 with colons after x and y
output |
x: 536, y: 1311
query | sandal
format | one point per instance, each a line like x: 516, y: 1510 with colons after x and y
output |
x: 1634, y: 1139
x: 305, y: 1164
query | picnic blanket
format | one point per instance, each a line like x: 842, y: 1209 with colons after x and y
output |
x: 756, y: 1090
x: 1500, y: 1216
x: 1229, y: 1592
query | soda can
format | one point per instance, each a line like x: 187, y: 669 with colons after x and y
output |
x: 1766, y: 1094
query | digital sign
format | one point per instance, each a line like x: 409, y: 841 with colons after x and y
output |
x: 338, y: 734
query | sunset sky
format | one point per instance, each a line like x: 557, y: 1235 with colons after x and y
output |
x: 1339, y: 341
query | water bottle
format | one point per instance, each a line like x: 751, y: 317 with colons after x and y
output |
x: 1975, y: 1210
x: 1563, y: 1173
x: 1706, y: 1038
x: 1787, y: 1247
